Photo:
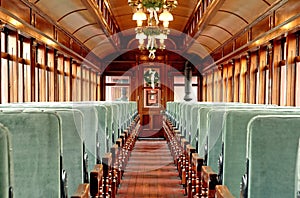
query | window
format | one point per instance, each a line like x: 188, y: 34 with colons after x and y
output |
x: 297, y: 89
x: 27, y: 71
x: 117, y: 88
x: 179, y: 90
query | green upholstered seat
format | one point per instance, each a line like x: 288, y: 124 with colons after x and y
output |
x: 115, y: 123
x: 109, y: 129
x: 202, y: 122
x: 90, y: 126
x: 234, y: 139
x: 5, y: 162
x: 36, y: 149
x: 72, y: 151
x: 102, y: 111
x: 273, y: 146
x: 215, y: 126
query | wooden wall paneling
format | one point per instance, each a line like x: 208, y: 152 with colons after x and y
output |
x: 287, y: 11
x: 229, y: 82
x: 55, y: 74
x: 43, y: 25
x: 14, y: 66
x: 1, y: 60
x: 247, y: 80
x: 261, y: 27
x: 204, y: 89
x: 257, y: 74
x: 209, y: 87
x: 32, y: 67
x: 98, y: 87
x: 242, y: 79
x: 64, y: 39
x: 237, y: 72
x: 275, y: 73
x: 71, y: 84
x: 262, y: 76
x: 74, y: 80
x: 253, y: 68
x: 41, y: 73
x: 270, y: 61
x: 291, y: 69
x: 200, y: 85
x: 225, y: 80
x: 212, y: 86
x: 241, y: 40
x: 89, y: 71
x: 102, y: 87
x: 51, y: 65
x: 228, y: 48
x: 215, y: 84
x: 18, y: 8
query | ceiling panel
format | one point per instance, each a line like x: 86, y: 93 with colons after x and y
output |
x: 232, y: 16
x: 87, y: 32
x: 76, y: 20
x: 55, y: 9
x: 96, y: 41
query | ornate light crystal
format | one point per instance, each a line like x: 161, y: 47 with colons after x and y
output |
x: 153, y: 31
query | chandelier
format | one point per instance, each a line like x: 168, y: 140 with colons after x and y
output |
x: 148, y: 10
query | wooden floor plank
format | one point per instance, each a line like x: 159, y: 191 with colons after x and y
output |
x: 150, y: 172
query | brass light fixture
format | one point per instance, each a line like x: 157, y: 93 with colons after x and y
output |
x: 148, y: 10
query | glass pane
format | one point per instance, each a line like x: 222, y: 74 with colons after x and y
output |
x: 117, y: 93
x: 298, y: 84
x: 283, y: 85
x: 180, y: 80
x: 117, y: 79
x: 179, y: 93
x: 4, y: 81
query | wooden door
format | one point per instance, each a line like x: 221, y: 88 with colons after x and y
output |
x: 151, y: 101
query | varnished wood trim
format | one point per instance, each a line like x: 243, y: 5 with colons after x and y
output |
x: 98, y: 15
x: 34, y: 8
x: 264, y: 38
x: 266, y: 2
x: 36, y: 33
x: 208, y: 16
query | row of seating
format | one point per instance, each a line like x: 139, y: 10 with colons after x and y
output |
x: 105, y: 178
x: 48, y: 149
x: 216, y: 146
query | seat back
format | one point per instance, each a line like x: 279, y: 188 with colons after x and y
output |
x: 5, y: 162
x: 273, y: 145
x: 72, y: 151
x: 103, y: 118
x: 215, y: 124
x: 234, y: 135
x: 36, y: 150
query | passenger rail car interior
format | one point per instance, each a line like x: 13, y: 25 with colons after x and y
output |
x: 149, y: 98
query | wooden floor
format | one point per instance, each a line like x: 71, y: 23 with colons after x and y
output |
x: 150, y: 172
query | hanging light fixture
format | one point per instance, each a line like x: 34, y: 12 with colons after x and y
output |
x: 148, y: 10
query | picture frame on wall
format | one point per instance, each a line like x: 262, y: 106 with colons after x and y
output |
x: 151, y: 98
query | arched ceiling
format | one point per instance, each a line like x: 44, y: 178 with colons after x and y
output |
x: 231, y: 16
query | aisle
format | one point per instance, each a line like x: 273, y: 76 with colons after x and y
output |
x: 150, y: 172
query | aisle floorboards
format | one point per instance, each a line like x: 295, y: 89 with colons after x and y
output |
x: 150, y: 172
